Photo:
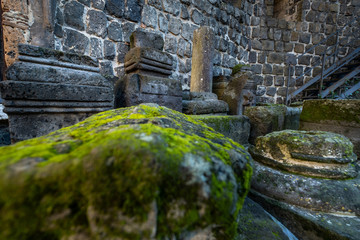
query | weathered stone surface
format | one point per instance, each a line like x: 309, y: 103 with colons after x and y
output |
x: 96, y: 23
x: 338, y: 116
x: 235, y: 127
x: 256, y: 223
x: 73, y: 14
x: 75, y: 41
x: 149, y: 61
x: 144, y: 88
x: 115, y: 7
x: 149, y: 17
x: 96, y: 48
x: 292, y: 117
x: 199, y: 96
x: 210, y: 106
x: 265, y: 119
x: 152, y: 173
x: 115, y: 31
x: 145, y: 39
x: 233, y: 94
x: 133, y: 10
x: 311, y: 225
x: 40, y: 52
x: 309, y: 153
x: 25, y: 71
x: 202, y: 66
x: 109, y: 50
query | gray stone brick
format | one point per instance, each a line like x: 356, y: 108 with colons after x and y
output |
x: 115, y: 7
x: 278, y: 70
x: 149, y: 16
x: 305, y: 38
x: 163, y: 22
x: 98, y: 4
x: 73, y: 15
x: 128, y: 28
x: 155, y: 3
x: 268, y: 81
x: 175, y: 25
x: 170, y: 44
x: 96, y: 48
x: 75, y: 41
x: 299, y: 48
x: 279, y: 46
x: 257, y: 68
x: 260, y: 90
x: 188, y: 30
x: 290, y: 59
x: 270, y: 91
x: 252, y: 57
x: 184, y: 12
x: 268, y: 45
x: 115, y: 31
x: 279, y: 81
x: 172, y: 7
x: 224, y: 44
x: 261, y: 57
x: 276, y: 58
x: 304, y: 60
x: 256, y: 44
x: 288, y: 47
x: 109, y: 50
x: 133, y: 10
x: 188, y: 50
x: 122, y: 50
x: 197, y: 17
x: 96, y: 23
x: 267, y: 69
x: 217, y: 58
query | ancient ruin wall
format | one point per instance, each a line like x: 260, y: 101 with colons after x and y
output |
x: 248, y: 31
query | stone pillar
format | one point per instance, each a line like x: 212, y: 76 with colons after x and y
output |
x: 202, y: 66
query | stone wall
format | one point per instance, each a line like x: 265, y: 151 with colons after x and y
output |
x: 261, y: 33
x: 277, y: 40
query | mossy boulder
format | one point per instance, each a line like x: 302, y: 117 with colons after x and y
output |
x: 145, y: 172
x: 310, y: 153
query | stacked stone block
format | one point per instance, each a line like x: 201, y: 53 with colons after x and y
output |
x: 47, y: 90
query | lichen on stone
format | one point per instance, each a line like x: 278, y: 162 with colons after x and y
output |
x: 131, y: 173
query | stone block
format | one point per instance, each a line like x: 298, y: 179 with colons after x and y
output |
x: 75, y: 41
x: 109, y: 50
x: 268, y: 45
x: 114, y: 31
x: 174, y: 26
x: 276, y: 58
x: 235, y: 127
x: 145, y: 39
x: 115, y: 7
x: 96, y: 23
x: 133, y: 10
x: 170, y: 44
x: 149, y: 16
x: 98, y: 4
x: 163, y: 22
x: 205, y: 107
x: 73, y: 15
x: 122, y: 50
x: 151, y: 89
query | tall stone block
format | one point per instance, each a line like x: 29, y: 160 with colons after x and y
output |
x: 202, y: 66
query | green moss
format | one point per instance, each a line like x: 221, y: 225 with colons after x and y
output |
x: 122, y: 161
x: 237, y: 68
x: 318, y: 111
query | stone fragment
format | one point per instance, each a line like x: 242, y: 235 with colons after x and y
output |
x: 145, y: 39
x: 146, y: 158
x: 202, y: 66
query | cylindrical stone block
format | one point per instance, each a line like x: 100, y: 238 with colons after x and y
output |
x: 202, y: 66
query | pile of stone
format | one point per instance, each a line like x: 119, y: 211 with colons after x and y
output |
x: 47, y: 90
x: 148, y: 69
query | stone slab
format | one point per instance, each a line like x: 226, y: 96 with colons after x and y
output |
x: 307, y: 224
x: 210, y: 106
x: 235, y: 127
x: 199, y: 96
x: 39, y: 52
x: 32, y: 72
x: 54, y: 92
x: 138, y: 53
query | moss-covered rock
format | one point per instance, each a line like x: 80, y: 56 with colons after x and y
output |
x: 338, y: 116
x: 310, y: 153
x: 133, y: 173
